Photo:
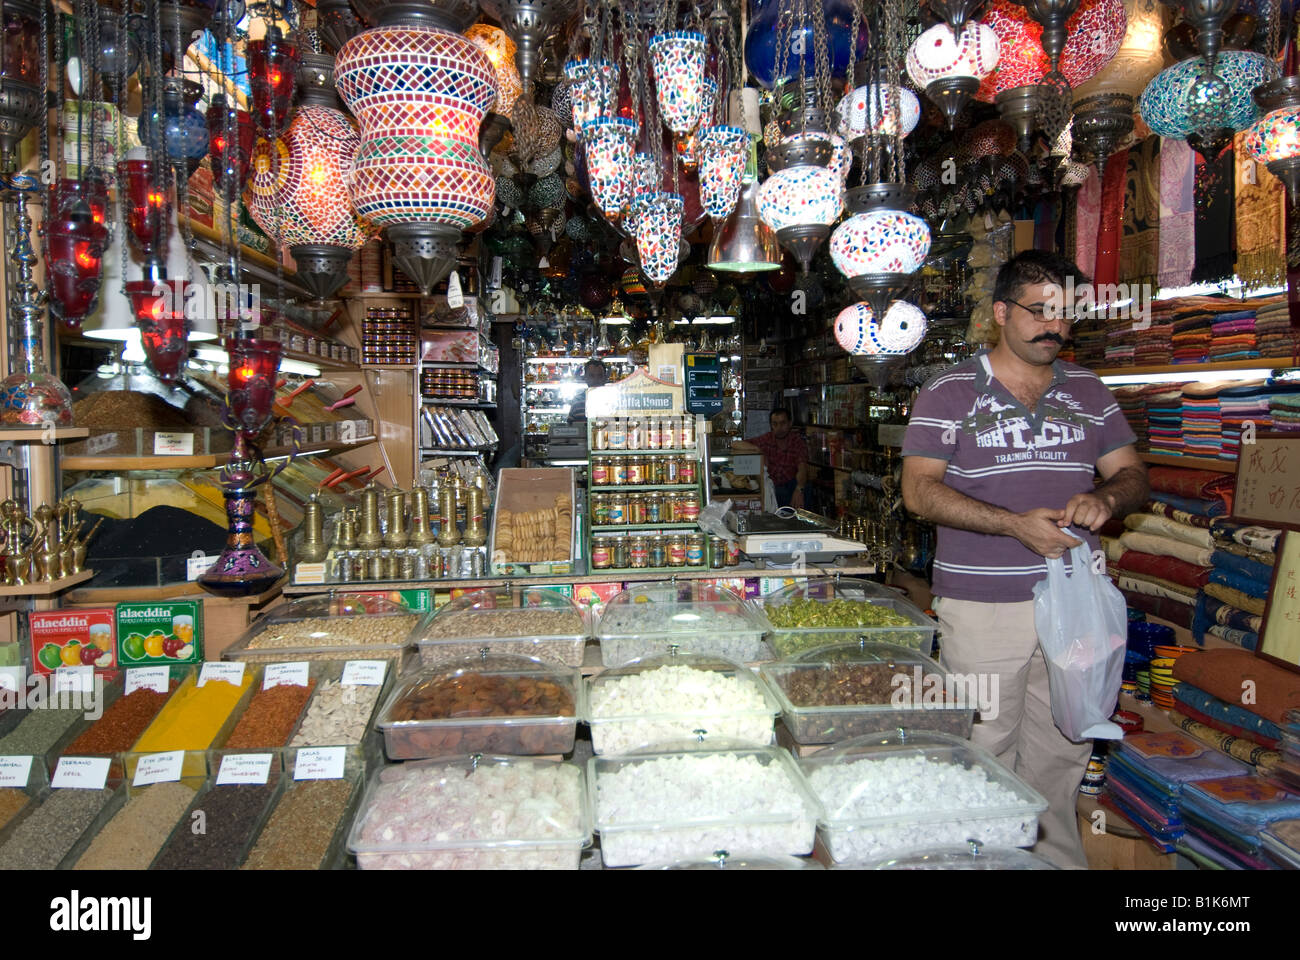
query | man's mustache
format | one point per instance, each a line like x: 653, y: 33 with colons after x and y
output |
x: 1055, y: 338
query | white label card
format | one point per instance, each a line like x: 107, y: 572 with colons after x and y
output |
x: 244, y: 768
x: 319, y: 763
x: 98, y: 444
x: 74, y: 680
x: 81, y: 773
x: 173, y: 444
x: 147, y: 678
x: 357, y: 673
x: 11, y: 679
x: 309, y: 573
x: 196, y: 567
x: 15, y: 771
x: 159, y: 768
x: 229, y: 672
x: 294, y: 674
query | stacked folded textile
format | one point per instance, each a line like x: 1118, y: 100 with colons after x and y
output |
x: 1147, y: 773
x: 1193, y: 329
x: 1247, y: 751
x: 1203, y: 493
x: 1160, y: 563
x: 1281, y: 843
x: 1210, y: 691
x: 1241, y: 404
x: 1155, y: 343
x: 1089, y: 339
x: 1234, y: 336
x: 1133, y: 404
x: 1224, y: 818
x: 1241, y: 571
x: 1284, y: 412
x: 1202, y: 420
x: 1274, y: 333
x: 1165, y: 421
x: 1121, y: 342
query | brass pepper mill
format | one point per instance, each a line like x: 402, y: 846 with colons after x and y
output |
x: 396, y: 535
x: 370, y: 534
x: 475, y: 528
x: 449, y: 535
x: 345, y: 530
x: 313, y: 532
x: 420, y: 534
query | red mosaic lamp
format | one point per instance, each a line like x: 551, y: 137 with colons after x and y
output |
x: 229, y: 155
x: 75, y: 246
x: 419, y: 90
x: 272, y: 74
x: 159, y: 308
x: 301, y: 197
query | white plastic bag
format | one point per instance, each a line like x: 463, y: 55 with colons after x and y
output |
x: 1082, y: 627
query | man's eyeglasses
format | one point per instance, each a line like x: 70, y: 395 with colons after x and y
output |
x: 1045, y: 314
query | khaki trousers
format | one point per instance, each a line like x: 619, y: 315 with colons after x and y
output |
x: 1000, y: 638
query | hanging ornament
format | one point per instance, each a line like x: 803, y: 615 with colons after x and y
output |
x: 766, y: 35
x: 723, y: 152
x: 272, y: 74
x: 593, y: 90
x: 229, y: 160
x: 881, y: 246
x: 530, y: 23
x: 159, y: 307
x: 658, y: 232
x: 184, y: 133
x: 143, y: 204
x: 678, y: 60
x: 500, y: 50
x: 949, y: 69
x: 609, y: 145
x: 871, y: 108
x: 76, y: 248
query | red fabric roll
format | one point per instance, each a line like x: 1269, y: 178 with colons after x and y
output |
x: 1166, y: 568
x: 1222, y: 673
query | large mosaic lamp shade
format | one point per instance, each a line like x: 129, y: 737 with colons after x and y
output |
x: 881, y: 246
x: 419, y: 90
x: 948, y: 68
x: 1167, y: 105
x: 1275, y: 139
x: 803, y: 197
x: 877, y: 346
x: 301, y: 197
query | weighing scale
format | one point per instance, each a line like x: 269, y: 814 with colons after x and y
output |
x: 788, y: 538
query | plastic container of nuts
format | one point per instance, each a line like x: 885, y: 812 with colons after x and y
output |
x: 822, y: 611
x: 492, y: 704
x: 650, y: 619
x: 507, y: 621
x: 327, y: 628
x: 834, y: 693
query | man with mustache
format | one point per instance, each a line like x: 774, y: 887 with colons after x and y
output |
x: 1001, y: 453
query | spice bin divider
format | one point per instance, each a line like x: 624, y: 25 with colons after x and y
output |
x: 275, y: 780
x: 115, y: 805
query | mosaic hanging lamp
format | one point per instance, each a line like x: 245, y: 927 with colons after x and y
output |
x: 143, y: 204
x: 419, y: 90
x: 881, y: 246
x: 500, y: 50
x: 950, y: 69
x: 22, y: 101
x: 678, y: 59
x: 301, y: 196
x: 870, y: 108
x: 611, y: 163
x: 658, y: 232
x: 229, y: 159
x: 876, y: 347
x: 723, y: 153
x: 1275, y: 139
x: 593, y: 90
x: 1166, y: 104
x: 530, y: 23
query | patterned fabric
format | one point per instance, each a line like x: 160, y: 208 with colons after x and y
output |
x: 1087, y: 219
x: 1189, y: 483
x: 1244, y: 750
x: 1177, y: 214
x: 1260, y: 572
x: 1155, y: 587
x: 1235, y: 598
x: 1214, y: 218
x: 1248, y: 535
x: 1165, y: 527
x: 1175, y: 612
x: 1261, y: 221
x: 1166, y: 547
x: 1247, y: 585
x: 1173, y: 513
x: 1221, y: 673
x: 1177, y: 571
x: 1205, y: 508
x: 1225, y: 716
x: 1139, y: 252
x: 782, y: 457
x: 1216, y: 611
x: 1110, y: 220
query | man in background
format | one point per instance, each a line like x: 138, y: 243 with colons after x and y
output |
x: 593, y: 371
x: 786, y: 456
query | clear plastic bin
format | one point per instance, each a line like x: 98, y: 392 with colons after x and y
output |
x: 503, y: 705
x: 724, y: 861
x: 971, y: 857
x: 335, y: 854
x: 859, y: 783
x: 822, y: 611
x: 651, y: 619
x: 836, y: 693
x: 473, y: 813
x: 686, y: 804
x: 347, y: 626
x: 514, y: 621
x: 719, y: 697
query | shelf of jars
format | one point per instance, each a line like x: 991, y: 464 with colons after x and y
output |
x: 646, y: 478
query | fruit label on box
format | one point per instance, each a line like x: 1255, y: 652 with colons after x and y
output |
x: 81, y: 773
x: 319, y: 763
x: 164, y: 632
x: 159, y: 768
x: 232, y: 673
x: 244, y: 768
x: 293, y: 674
x: 15, y: 771
x: 417, y: 601
x: 73, y: 638
x: 357, y: 673
x: 156, y: 679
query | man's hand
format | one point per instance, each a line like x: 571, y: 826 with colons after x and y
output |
x: 1038, y: 530
x: 1086, y: 509
x: 796, y: 499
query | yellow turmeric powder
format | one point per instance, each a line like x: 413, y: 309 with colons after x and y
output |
x: 193, y: 716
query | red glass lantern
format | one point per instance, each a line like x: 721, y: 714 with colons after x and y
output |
x: 229, y: 158
x: 253, y: 366
x: 273, y: 73
x: 93, y: 191
x: 76, y: 250
x: 143, y: 202
x: 164, y: 332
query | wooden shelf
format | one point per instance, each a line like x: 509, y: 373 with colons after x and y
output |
x: 87, y: 595
x: 42, y: 589
x: 199, y: 461
x: 1192, y: 463
x: 37, y: 434
x: 388, y: 366
x: 1222, y: 366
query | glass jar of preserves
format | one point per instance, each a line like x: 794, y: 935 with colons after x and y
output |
x: 654, y: 433
x: 677, y: 551
x: 653, y: 508
x: 600, y: 468
x: 686, y: 437
x: 600, y: 435
x: 733, y: 553
x: 695, y: 550
x: 654, y: 470
x: 619, y: 471
x: 717, y: 553
x: 636, y: 471
x: 670, y: 470
x: 686, y: 470
x: 619, y: 552
x: 688, y: 508
x: 658, y: 551
x: 617, y: 508
x: 636, y: 510
x: 635, y: 434
x: 617, y: 432
x: 599, y: 509
x: 601, y: 557
x: 639, y: 552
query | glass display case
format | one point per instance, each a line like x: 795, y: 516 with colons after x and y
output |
x: 347, y: 626
x: 652, y: 619
x: 520, y: 621
x: 822, y: 611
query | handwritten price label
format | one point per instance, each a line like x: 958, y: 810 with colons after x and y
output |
x: 15, y: 771
x: 357, y: 673
x: 159, y: 768
x: 232, y: 673
x: 81, y: 773
x: 147, y: 678
x: 244, y: 768
x: 293, y: 674
x: 319, y: 763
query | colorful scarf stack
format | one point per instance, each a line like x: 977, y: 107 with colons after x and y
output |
x: 1241, y: 571
x: 1234, y: 336
x: 1155, y: 344
x: 1133, y: 404
x: 1193, y: 328
x: 1121, y: 342
x: 1223, y: 818
x: 1139, y: 252
x: 1274, y: 333
x: 1165, y: 416
x: 1284, y: 410
x: 1239, y: 405
x: 1202, y: 420
x: 1089, y: 340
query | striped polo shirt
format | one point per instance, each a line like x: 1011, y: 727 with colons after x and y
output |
x: 1000, y: 453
